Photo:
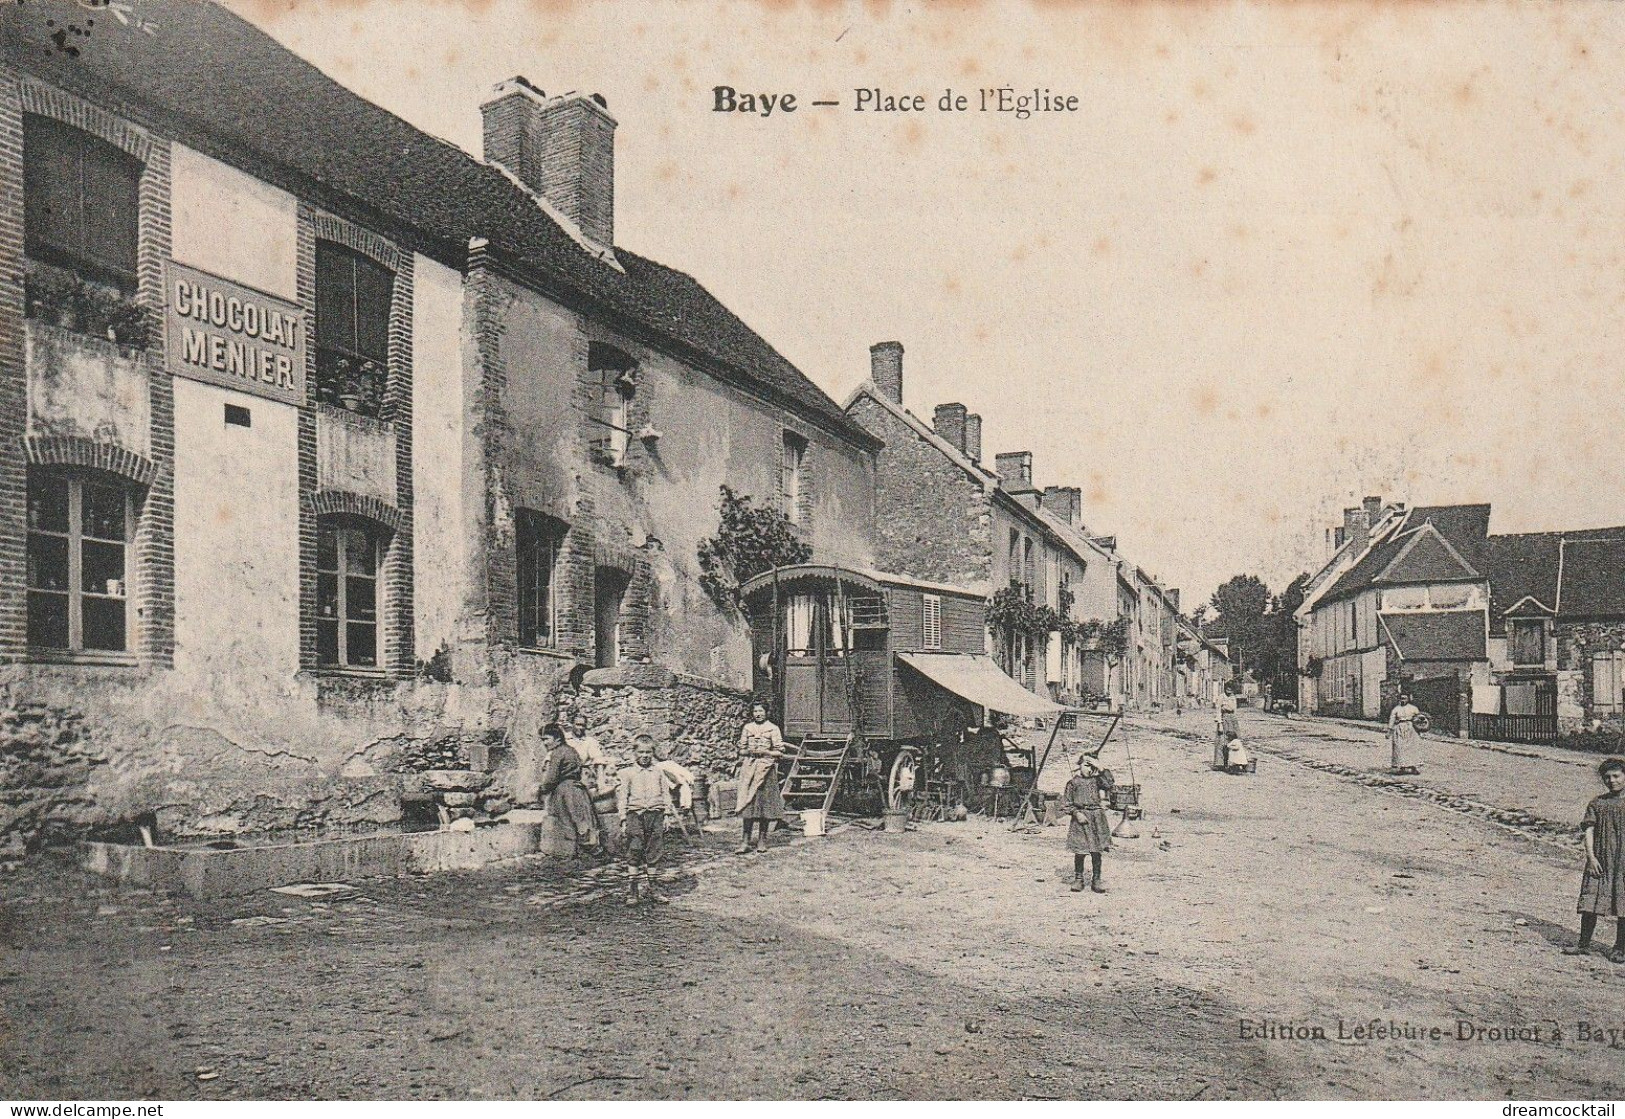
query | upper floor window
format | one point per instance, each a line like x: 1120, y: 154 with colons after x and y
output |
x: 614, y: 377
x: 81, y: 202
x: 79, y: 531
x: 353, y: 298
x: 540, y: 542
x: 349, y: 553
x: 1528, y: 640
x: 791, y: 458
x: 933, y: 621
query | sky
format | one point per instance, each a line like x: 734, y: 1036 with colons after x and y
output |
x: 1281, y: 256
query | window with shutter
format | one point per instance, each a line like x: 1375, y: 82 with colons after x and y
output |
x: 81, y: 202
x: 354, y: 294
x: 1605, y: 683
x: 614, y: 377
x: 933, y: 621
x: 791, y: 490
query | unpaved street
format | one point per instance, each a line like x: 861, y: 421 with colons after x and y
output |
x: 948, y: 962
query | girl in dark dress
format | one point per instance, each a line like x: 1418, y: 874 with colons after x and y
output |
x: 569, y: 808
x: 1090, y: 833
x: 1602, y: 887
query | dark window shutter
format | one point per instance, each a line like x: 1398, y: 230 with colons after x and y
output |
x: 335, y: 298
x: 112, y: 181
x: 374, y: 290
x: 51, y: 179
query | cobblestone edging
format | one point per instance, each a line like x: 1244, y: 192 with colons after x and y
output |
x: 1519, y: 821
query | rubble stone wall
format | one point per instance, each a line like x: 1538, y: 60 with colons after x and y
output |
x: 700, y: 718
x: 83, y: 749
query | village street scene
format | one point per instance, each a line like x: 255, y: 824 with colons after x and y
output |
x: 446, y: 654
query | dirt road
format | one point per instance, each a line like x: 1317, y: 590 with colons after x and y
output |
x: 949, y: 962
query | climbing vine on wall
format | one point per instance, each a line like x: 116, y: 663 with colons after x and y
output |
x: 749, y: 541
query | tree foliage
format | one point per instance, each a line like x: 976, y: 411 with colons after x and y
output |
x: 1263, y: 636
x: 749, y: 540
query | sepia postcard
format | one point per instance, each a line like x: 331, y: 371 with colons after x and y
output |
x: 656, y: 551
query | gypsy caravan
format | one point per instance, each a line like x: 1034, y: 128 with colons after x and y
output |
x: 884, y: 684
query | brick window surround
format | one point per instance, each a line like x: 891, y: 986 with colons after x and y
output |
x: 396, y: 580
x: 151, y: 557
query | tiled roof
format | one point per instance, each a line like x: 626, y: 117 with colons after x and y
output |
x: 1518, y: 567
x: 1464, y: 527
x: 215, y: 81
x: 1449, y: 635
x: 1593, y: 567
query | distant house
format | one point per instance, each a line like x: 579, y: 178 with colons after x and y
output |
x: 1517, y: 636
x: 1557, y: 624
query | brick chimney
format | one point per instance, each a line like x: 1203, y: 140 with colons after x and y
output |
x: 1066, y: 502
x: 1373, y: 510
x: 973, y: 437
x: 1356, y: 528
x: 1015, y: 470
x: 949, y: 422
x: 886, y: 369
x: 562, y: 147
x: 1173, y: 598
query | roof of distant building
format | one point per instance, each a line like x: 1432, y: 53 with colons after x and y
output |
x: 1438, y: 543
x: 215, y: 82
x: 1440, y: 635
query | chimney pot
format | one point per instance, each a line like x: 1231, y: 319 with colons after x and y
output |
x: 1015, y: 470
x: 973, y: 437
x: 886, y: 369
x: 949, y: 422
x: 562, y: 148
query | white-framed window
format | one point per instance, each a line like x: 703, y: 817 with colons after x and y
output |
x: 1605, y: 682
x: 1526, y: 638
x: 349, y: 555
x: 80, y: 525
x: 792, y: 488
x: 614, y: 381
x: 932, y: 621
x: 540, y: 541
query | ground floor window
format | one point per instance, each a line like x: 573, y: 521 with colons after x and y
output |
x: 349, y: 553
x: 540, y: 542
x: 79, y: 529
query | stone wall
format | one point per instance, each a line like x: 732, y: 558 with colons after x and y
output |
x: 1576, y: 644
x: 700, y: 718
x: 84, y: 749
x: 934, y: 521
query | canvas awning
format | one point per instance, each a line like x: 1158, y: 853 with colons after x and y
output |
x: 975, y: 677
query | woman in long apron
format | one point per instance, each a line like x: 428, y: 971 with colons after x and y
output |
x: 761, y: 745
x: 1225, y: 727
x: 1403, y: 738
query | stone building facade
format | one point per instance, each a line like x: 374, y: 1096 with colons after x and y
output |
x: 942, y: 515
x: 332, y: 454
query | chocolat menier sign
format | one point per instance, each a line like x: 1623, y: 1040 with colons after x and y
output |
x: 229, y: 335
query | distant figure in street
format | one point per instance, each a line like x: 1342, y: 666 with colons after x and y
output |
x: 1225, y: 726
x: 1602, y: 887
x: 642, y: 799
x: 1235, y: 756
x: 761, y: 745
x: 569, y: 808
x: 1090, y: 833
x: 1403, y: 737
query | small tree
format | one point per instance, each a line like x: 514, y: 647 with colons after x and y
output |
x: 749, y: 541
